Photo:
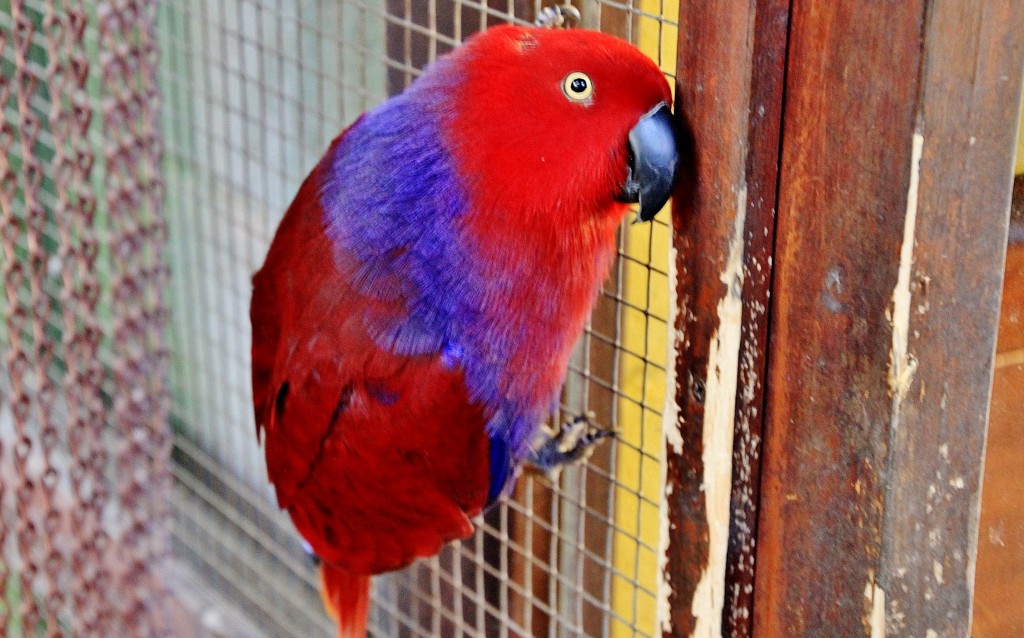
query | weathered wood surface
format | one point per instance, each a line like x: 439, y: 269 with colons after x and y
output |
x: 846, y: 165
x: 891, y: 232
x: 762, y: 172
x: 1017, y: 211
x: 998, y: 611
x: 723, y: 235
x: 969, y: 104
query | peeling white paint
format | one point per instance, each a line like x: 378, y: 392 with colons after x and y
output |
x: 672, y: 436
x: 670, y: 419
x: 875, y: 596
x: 901, y: 363
x: 719, y: 414
x: 1012, y: 358
x: 995, y: 535
x: 664, y: 587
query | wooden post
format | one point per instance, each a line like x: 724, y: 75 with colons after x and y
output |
x: 890, y: 127
x: 730, y: 73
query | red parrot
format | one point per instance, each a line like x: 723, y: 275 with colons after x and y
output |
x: 414, y: 318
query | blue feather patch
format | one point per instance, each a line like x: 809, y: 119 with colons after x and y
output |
x: 393, y: 210
x: 501, y: 466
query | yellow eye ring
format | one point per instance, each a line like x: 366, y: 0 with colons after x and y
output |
x: 578, y: 86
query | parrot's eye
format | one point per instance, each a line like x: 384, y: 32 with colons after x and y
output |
x: 577, y: 86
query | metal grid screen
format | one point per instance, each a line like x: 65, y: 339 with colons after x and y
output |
x: 254, y: 90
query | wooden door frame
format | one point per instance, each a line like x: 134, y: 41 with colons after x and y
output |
x: 840, y: 240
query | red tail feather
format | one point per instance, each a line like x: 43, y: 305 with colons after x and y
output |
x: 347, y: 599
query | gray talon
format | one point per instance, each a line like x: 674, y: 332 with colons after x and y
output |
x: 572, y: 443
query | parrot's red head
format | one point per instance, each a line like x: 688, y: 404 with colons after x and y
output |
x: 552, y: 124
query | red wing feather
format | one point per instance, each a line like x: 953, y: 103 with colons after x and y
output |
x: 379, y: 458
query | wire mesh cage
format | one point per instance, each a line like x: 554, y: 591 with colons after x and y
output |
x: 252, y: 92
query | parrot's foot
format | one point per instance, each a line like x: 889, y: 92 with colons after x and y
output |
x: 572, y: 443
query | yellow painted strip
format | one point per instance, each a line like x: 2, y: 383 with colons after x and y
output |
x: 642, y: 384
x: 1019, y: 165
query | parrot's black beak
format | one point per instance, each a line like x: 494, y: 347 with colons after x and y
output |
x: 653, y: 162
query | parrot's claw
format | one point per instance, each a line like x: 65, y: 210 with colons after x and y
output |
x: 573, y: 442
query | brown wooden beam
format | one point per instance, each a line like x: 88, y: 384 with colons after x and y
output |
x: 763, y: 141
x: 1017, y: 211
x: 730, y: 69
x: 967, y: 112
x: 891, y: 233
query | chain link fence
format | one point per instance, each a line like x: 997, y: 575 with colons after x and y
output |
x: 84, y: 445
